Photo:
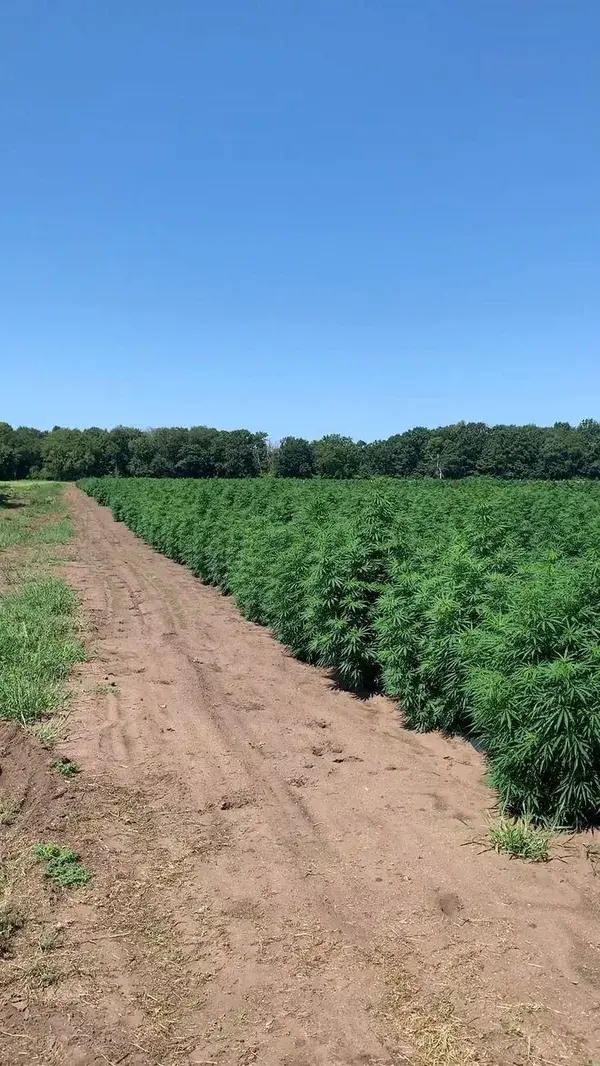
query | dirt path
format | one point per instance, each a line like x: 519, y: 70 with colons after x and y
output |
x: 281, y: 876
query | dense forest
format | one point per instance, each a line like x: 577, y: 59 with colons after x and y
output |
x: 467, y: 448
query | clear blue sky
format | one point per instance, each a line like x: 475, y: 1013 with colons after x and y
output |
x: 300, y: 216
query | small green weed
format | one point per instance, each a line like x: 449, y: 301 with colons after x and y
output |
x: 521, y: 839
x: 66, y: 767
x: 62, y: 865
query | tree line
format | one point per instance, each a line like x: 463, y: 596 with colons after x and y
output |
x: 461, y: 450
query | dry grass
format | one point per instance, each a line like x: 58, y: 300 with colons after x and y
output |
x: 13, y: 908
x: 9, y: 809
x: 103, y: 689
x: 429, y: 1027
x: 592, y: 854
x: 51, y: 730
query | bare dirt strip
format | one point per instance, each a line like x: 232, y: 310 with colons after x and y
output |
x: 282, y: 874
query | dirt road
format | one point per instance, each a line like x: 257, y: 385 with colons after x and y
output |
x: 283, y: 875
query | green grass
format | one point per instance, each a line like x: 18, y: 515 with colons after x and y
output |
x: 38, y: 647
x: 38, y: 642
x: 521, y: 839
x: 62, y: 865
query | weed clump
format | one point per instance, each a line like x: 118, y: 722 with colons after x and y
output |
x: 66, y: 767
x: 63, y: 865
x: 521, y: 838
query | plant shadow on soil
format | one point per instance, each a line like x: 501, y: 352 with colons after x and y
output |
x: 11, y: 503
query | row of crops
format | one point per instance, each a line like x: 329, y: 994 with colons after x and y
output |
x: 475, y: 604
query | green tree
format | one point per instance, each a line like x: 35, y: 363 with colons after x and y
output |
x: 118, y: 448
x: 240, y: 453
x: 69, y: 454
x: 6, y: 452
x: 27, y: 452
x: 295, y: 457
x: 562, y: 453
x: 399, y: 455
x: 589, y: 435
x: 337, y: 457
x: 197, y: 457
x: 512, y: 452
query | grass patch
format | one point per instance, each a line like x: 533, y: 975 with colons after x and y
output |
x: 33, y: 512
x: 63, y: 865
x: 48, y: 731
x: 66, y: 767
x: 37, y: 648
x: 38, y: 644
x: 521, y: 839
x: 430, y: 1024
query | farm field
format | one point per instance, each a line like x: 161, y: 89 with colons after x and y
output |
x: 278, y: 872
x: 476, y: 604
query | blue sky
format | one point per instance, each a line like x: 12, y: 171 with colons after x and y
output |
x: 301, y: 216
